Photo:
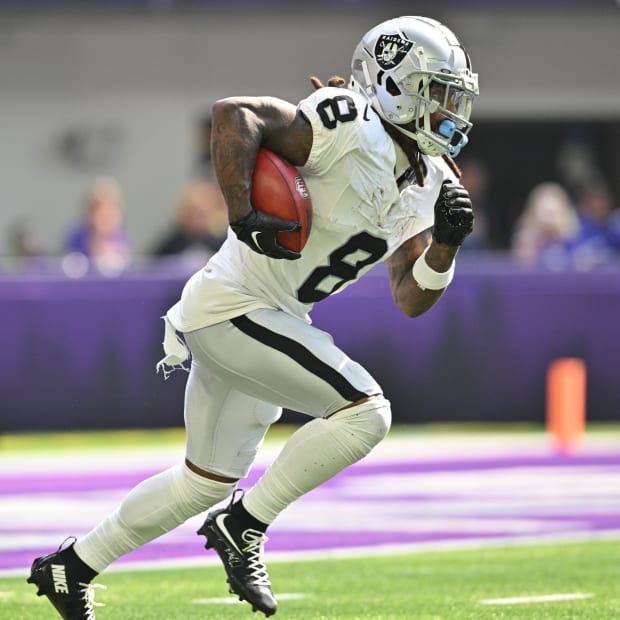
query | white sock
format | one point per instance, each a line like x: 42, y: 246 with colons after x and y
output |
x: 315, y: 453
x: 154, y: 507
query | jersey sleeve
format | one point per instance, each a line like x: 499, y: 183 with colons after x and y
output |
x: 336, y: 116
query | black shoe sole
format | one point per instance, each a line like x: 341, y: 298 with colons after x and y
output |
x: 215, y: 541
x: 33, y: 579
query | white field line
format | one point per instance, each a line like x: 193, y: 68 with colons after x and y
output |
x: 231, y: 600
x: 198, y: 561
x: 545, y: 598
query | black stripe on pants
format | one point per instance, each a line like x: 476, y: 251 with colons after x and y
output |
x: 301, y: 355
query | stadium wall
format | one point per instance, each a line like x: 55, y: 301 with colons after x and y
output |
x: 81, y: 354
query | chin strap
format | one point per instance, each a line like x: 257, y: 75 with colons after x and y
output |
x: 447, y: 129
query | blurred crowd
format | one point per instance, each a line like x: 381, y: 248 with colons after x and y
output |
x: 559, y: 231
x: 571, y: 225
x: 99, y: 241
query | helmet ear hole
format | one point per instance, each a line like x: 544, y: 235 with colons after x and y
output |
x: 392, y: 87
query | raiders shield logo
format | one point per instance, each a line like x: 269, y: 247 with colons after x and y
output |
x: 390, y: 49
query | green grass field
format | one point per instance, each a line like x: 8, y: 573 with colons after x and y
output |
x: 438, y: 585
x: 429, y: 585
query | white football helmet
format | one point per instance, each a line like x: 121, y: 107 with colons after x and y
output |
x: 410, y: 67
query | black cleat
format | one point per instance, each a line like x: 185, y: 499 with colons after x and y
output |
x: 242, y: 556
x: 72, y: 599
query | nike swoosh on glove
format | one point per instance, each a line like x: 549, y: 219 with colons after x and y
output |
x: 258, y: 230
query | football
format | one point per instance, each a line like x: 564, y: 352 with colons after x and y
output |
x: 279, y: 189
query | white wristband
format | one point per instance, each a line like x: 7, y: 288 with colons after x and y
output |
x: 428, y: 278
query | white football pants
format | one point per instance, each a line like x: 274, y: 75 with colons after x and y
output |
x: 244, y: 371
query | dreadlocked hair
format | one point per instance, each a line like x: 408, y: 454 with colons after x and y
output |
x: 452, y: 165
x: 414, y: 155
x: 334, y: 80
x: 410, y: 147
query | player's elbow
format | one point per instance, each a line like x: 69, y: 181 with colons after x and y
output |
x: 223, y: 108
x: 232, y: 111
x: 416, y: 305
x: 411, y: 311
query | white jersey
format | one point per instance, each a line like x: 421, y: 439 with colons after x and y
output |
x: 360, y: 217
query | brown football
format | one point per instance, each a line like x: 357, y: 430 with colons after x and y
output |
x: 279, y: 189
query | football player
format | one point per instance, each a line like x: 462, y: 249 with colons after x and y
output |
x: 376, y: 155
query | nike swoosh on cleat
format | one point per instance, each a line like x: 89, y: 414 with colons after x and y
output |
x: 219, y: 521
x: 366, y: 117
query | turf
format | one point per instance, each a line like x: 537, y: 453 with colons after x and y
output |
x: 175, y: 437
x: 444, y: 585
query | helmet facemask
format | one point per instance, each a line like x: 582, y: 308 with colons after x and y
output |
x: 452, y: 96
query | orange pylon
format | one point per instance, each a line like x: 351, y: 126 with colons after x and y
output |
x: 566, y: 403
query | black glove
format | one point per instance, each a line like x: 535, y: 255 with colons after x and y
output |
x: 454, y: 218
x: 258, y: 230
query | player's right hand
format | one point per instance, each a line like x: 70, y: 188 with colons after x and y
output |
x: 258, y: 230
x: 454, y: 217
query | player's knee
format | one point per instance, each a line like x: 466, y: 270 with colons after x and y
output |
x: 377, y: 418
x: 369, y: 420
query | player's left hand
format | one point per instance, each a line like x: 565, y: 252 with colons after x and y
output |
x: 454, y: 217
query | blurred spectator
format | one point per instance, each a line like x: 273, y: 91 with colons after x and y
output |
x: 100, y: 236
x: 599, y: 220
x: 548, y: 228
x: 613, y: 229
x: 23, y: 249
x: 201, y: 223
x: 599, y: 238
x: 22, y: 242
x: 475, y: 179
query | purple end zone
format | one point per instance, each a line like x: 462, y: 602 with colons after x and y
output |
x: 423, y: 502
